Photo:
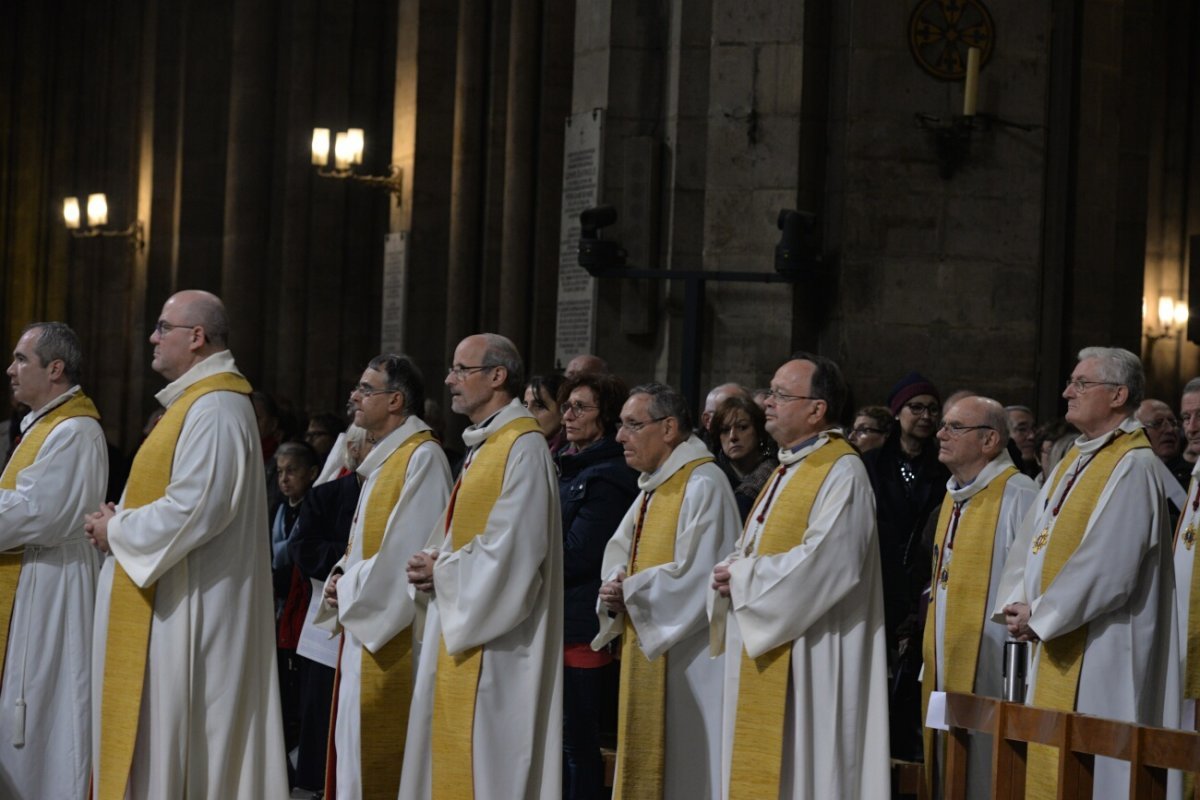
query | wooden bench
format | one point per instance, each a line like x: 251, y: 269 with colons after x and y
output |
x: 1080, y: 738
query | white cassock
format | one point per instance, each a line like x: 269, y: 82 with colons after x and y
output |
x: 48, y: 662
x: 1121, y: 584
x: 989, y: 668
x: 502, y: 590
x: 666, y: 606
x: 210, y: 725
x: 373, y: 605
x: 826, y: 598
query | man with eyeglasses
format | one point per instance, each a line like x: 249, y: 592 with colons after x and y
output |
x: 1089, y: 579
x: 486, y: 717
x: 57, y: 474
x: 186, y: 692
x: 406, y: 486
x: 655, y: 573
x: 909, y: 483
x: 798, y: 610
x: 986, y: 499
x: 1165, y: 435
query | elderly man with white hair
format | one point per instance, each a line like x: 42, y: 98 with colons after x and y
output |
x: 1089, y: 579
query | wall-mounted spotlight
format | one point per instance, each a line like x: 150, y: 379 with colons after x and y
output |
x: 598, y: 255
x: 798, y: 249
x: 97, y: 218
x: 347, y: 152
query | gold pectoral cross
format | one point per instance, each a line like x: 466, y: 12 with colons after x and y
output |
x: 1041, y: 539
x: 1189, y: 536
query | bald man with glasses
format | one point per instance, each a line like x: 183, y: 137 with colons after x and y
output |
x: 986, y: 499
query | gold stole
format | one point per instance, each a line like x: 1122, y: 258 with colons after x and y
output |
x: 26, y: 453
x: 1192, y: 679
x: 386, y: 676
x: 762, y: 686
x: 642, y: 700
x: 967, y: 580
x: 1061, y: 658
x: 457, y: 676
x: 131, y: 608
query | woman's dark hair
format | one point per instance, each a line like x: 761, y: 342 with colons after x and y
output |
x: 610, y: 394
x: 734, y: 404
x: 551, y: 383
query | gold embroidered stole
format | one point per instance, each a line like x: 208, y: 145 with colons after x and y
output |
x: 385, y: 688
x: 131, y: 608
x: 457, y: 677
x: 642, y: 700
x: 25, y: 454
x: 1192, y: 679
x: 967, y: 581
x: 1061, y: 658
x: 763, y: 683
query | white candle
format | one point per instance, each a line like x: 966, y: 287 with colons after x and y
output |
x: 971, y: 92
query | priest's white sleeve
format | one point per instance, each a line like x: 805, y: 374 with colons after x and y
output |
x: 1103, y: 572
x: 776, y: 598
x: 372, y: 601
x: 666, y: 603
x: 55, y: 492
x: 207, y: 478
x: 489, y: 585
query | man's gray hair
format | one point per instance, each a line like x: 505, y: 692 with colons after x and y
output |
x: 1026, y: 409
x: 402, y: 376
x: 995, y: 416
x: 501, y: 352
x: 1192, y: 386
x: 665, y: 402
x: 1121, y: 367
x: 57, y: 342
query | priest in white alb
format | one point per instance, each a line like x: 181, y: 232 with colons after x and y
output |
x: 986, y: 499
x: 656, y: 580
x: 48, y: 570
x: 1089, y: 579
x: 486, y: 716
x: 798, y: 609
x: 406, y: 484
x: 185, y: 688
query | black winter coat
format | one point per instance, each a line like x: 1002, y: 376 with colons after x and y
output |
x: 596, y: 488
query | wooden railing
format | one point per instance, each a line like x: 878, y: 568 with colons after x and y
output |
x: 1080, y: 738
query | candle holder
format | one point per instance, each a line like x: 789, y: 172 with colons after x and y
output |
x: 348, y: 151
x: 952, y: 137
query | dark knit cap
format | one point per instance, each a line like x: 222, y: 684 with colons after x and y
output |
x: 911, y: 385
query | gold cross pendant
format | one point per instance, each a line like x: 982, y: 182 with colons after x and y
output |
x: 1041, y: 539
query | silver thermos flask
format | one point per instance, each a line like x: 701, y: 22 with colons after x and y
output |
x: 1016, y: 657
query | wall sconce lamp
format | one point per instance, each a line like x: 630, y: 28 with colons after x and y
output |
x: 952, y: 137
x: 347, y: 152
x: 97, y: 218
x: 1172, y: 318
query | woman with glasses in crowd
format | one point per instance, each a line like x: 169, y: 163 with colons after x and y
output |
x: 596, y: 489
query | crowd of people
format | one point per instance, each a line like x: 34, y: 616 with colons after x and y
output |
x: 756, y: 600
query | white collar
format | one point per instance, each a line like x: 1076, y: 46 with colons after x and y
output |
x: 990, y: 471
x: 390, y: 444
x: 478, y: 434
x: 684, y: 453
x: 789, y: 456
x: 33, y: 416
x: 212, y: 365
